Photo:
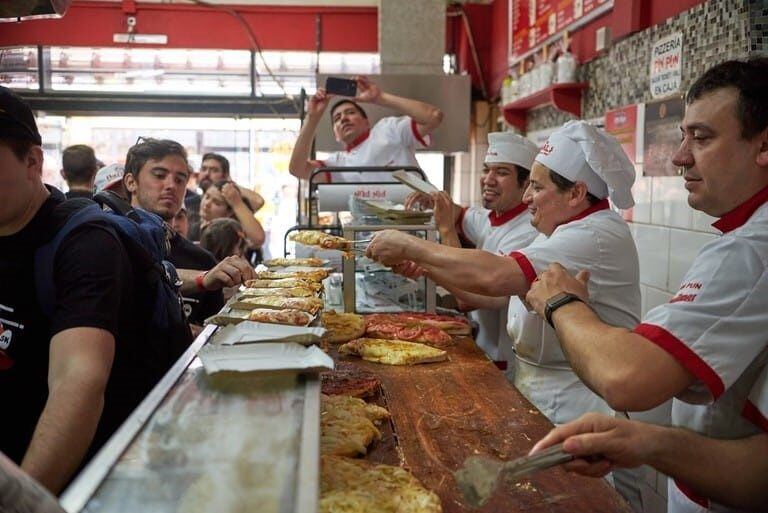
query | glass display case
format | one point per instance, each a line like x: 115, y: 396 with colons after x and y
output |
x: 370, y: 287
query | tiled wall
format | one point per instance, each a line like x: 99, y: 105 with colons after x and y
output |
x: 668, y: 233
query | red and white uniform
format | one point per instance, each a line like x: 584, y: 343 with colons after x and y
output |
x: 499, y: 235
x: 391, y: 142
x: 716, y: 327
x: 597, y: 240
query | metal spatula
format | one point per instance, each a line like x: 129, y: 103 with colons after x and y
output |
x: 478, y: 476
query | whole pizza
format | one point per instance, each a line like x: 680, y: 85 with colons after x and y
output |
x: 411, y: 332
x: 348, y: 379
x: 449, y: 324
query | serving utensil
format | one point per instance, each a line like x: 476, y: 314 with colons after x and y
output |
x: 478, y: 477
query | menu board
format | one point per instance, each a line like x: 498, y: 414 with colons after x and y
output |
x: 534, y: 21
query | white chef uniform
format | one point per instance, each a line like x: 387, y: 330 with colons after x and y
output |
x: 597, y: 240
x: 391, y: 141
x: 716, y: 326
x: 499, y: 234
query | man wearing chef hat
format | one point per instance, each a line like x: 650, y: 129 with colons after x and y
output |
x: 708, y: 346
x: 572, y: 177
x: 500, y: 226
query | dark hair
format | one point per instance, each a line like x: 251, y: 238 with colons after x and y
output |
x: 563, y: 185
x: 750, y: 79
x: 78, y: 164
x: 220, y: 186
x: 19, y: 147
x: 522, y: 174
x: 358, y: 107
x: 221, y: 159
x: 151, y: 149
x: 221, y: 237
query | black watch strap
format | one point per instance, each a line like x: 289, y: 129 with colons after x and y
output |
x: 556, y: 302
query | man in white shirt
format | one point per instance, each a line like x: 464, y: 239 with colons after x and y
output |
x: 391, y: 141
x: 708, y: 346
x: 500, y: 226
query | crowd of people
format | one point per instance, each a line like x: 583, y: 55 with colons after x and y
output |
x: 553, y: 284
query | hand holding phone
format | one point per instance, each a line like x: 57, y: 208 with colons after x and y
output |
x: 341, y: 86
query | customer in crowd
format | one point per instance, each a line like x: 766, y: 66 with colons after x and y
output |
x: 223, y: 200
x: 391, y: 141
x: 71, y: 378
x: 180, y: 222
x: 156, y: 176
x: 708, y: 345
x: 500, y: 226
x: 78, y: 168
x: 110, y: 178
x: 215, y: 168
x: 224, y: 237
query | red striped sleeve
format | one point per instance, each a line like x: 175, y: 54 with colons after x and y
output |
x: 695, y: 497
x: 753, y: 414
x: 525, y: 265
x: 417, y: 135
x: 683, y: 354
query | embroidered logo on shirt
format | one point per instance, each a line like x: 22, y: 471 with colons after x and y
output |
x: 687, y: 292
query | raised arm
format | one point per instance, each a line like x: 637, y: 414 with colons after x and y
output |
x: 300, y: 166
x: 78, y: 370
x: 730, y: 472
x: 628, y: 371
x: 472, y: 270
x: 251, y: 226
x: 427, y: 117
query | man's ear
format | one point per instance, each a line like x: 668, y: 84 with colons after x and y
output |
x: 35, y: 162
x: 129, y: 180
x: 578, y: 193
x: 762, y: 152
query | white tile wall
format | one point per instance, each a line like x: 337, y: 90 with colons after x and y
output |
x: 642, y: 192
x: 669, y: 206
x: 653, y: 250
x: 684, y: 246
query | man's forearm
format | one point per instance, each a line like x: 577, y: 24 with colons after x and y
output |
x: 299, y: 163
x: 251, y: 226
x: 470, y: 300
x: 730, y: 472
x: 421, y: 112
x: 63, y: 434
x: 188, y: 281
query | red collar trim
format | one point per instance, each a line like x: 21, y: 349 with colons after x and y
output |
x: 601, y: 205
x: 507, y: 216
x: 741, y: 214
x: 358, y: 141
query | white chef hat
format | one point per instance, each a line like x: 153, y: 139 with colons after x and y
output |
x: 509, y: 148
x: 107, y: 177
x: 582, y: 152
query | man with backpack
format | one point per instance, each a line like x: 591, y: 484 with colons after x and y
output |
x: 69, y: 376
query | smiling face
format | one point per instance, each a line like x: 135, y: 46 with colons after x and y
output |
x: 548, y: 205
x: 500, y: 188
x: 159, y: 186
x: 348, y: 123
x: 722, y: 169
x: 213, y: 205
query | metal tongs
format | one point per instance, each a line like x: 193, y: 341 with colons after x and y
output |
x: 478, y: 477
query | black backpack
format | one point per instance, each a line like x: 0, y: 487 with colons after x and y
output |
x: 145, y: 237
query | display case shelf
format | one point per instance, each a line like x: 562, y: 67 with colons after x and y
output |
x: 565, y: 97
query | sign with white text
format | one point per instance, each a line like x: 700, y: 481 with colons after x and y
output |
x: 666, y: 65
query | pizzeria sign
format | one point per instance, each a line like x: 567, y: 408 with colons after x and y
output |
x: 667, y: 65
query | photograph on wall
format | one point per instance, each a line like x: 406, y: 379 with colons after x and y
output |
x: 662, y: 136
x: 622, y: 124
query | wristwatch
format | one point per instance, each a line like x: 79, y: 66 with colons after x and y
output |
x: 556, y: 302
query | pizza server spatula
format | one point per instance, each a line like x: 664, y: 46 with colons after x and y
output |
x: 478, y: 477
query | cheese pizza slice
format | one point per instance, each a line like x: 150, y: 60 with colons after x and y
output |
x: 320, y: 239
x: 342, y: 327
x: 305, y: 304
x: 284, y: 292
x: 287, y: 262
x: 348, y: 425
x: 318, y: 275
x: 283, y: 283
x: 288, y: 316
x: 393, y: 352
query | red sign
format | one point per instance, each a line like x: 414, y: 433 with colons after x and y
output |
x: 622, y: 124
x: 535, y: 21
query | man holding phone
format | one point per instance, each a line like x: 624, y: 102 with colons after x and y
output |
x: 391, y: 141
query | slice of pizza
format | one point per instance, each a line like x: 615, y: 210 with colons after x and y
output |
x: 305, y: 304
x: 284, y: 292
x: 348, y: 425
x: 393, y: 352
x: 342, y: 327
x: 287, y: 262
x: 348, y: 485
x: 288, y: 316
x: 283, y: 283
x: 349, y: 379
x: 318, y: 275
x: 429, y: 335
x: 320, y: 239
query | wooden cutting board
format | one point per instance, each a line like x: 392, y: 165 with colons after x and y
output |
x: 444, y: 412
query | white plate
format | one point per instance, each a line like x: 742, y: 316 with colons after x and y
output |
x: 264, y: 357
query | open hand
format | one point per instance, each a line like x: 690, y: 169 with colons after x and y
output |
x: 367, y: 91
x: 390, y: 247
x: 230, y: 272
x: 318, y: 102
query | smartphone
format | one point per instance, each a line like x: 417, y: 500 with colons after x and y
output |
x: 341, y: 86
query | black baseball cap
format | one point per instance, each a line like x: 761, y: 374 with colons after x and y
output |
x: 16, y: 118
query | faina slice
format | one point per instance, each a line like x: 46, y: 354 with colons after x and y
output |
x: 393, y: 352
